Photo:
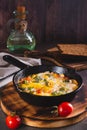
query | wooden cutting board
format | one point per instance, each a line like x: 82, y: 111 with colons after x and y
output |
x: 42, y: 117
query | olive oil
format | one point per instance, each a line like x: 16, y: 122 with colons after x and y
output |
x: 20, y: 39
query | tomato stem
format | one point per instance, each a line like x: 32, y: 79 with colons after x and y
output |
x: 13, y: 113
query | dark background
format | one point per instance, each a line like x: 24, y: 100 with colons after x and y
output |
x: 51, y: 21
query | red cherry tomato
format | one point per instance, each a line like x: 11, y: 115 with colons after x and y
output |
x: 64, y: 109
x: 13, y: 121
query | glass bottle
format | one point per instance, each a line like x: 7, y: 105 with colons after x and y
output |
x: 20, y: 39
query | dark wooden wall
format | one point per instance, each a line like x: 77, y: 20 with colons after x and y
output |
x: 60, y: 21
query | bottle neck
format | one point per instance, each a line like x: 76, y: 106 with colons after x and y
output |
x: 20, y: 22
x: 21, y: 25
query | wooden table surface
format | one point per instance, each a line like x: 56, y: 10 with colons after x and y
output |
x: 81, y: 125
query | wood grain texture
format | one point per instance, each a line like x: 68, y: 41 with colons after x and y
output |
x: 49, y: 20
x: 42, y: 117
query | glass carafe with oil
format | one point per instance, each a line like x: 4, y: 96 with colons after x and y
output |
x: 20, y: 39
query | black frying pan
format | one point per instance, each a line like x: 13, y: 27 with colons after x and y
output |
x: 43, y: 100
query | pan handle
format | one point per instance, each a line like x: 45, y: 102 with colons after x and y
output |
x: 14, y: 61
x: 21, y: 65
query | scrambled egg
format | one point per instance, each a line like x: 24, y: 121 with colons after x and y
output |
x: 47, y: 84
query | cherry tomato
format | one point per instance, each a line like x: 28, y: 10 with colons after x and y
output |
x: 13, y: 121
x: 64, y: 109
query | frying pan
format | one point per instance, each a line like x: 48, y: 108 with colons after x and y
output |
x: 37, y: 99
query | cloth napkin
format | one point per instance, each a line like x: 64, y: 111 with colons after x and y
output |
x: 7, y: 70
